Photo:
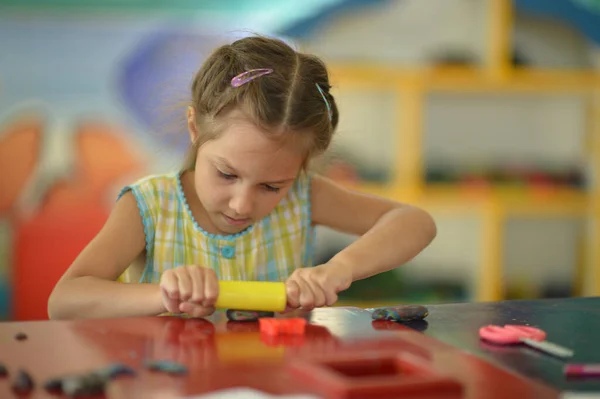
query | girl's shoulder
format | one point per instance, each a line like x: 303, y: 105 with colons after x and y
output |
x: 297, y: 201
x: 153, y: 185
x: 300, y: 190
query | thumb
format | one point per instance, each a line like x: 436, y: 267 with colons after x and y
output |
x: 195, y: 310
x: 293, y: 294
x: 287, y: 309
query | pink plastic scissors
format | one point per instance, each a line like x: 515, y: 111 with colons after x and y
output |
x: 513, y: 334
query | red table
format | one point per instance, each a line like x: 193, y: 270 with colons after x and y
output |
x: 343, y: 352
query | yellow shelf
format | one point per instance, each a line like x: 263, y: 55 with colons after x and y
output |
x: 465, y: 79
x: 513, y: 200
x: 380, y: 190
x: 493, y: 204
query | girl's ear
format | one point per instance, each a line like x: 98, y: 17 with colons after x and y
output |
x: 191, y: 122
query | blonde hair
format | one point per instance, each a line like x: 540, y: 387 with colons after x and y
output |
x: 291, y: 102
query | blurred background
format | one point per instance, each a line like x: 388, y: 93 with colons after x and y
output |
x: 484, y: 112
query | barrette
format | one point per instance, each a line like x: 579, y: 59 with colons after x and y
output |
x: 247, y: 76
x: 324, y: 99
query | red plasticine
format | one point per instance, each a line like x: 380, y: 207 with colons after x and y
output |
x: 291, y: 326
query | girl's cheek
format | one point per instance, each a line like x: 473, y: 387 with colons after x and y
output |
x: 219, y: 194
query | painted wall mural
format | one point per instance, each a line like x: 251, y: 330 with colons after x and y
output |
x: 74, y: 132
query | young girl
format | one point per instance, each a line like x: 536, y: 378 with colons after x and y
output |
x: 243, y: 207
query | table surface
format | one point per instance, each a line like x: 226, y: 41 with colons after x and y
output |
x: 220, y: 354
x: 571, y: 322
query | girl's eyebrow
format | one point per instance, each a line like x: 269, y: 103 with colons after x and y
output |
x: 281, y: 181
x: 227, y: 165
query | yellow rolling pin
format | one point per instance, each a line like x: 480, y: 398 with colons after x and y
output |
x: 262, y: 296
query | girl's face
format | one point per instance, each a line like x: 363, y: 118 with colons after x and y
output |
x: 242, y: 175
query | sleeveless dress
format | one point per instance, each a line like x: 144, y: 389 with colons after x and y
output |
x: 269, y: 250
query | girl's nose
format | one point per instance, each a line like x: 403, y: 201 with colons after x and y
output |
x: 241, y: 203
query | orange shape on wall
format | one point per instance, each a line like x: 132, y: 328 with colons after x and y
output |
x: 72, y: 213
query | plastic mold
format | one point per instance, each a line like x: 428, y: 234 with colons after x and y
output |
x: 374, y: 374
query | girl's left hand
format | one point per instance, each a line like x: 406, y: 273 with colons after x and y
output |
x: 313, y: 287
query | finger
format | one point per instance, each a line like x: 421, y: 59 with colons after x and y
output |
x: 171, y: 305
x: 292, y: 290
x: 169, y: 284
x: 307, y: 294
x: 320, y: 298
x: 201, y: 311
x: 186, y: 307
x: 318, y: 288
x: 329, y: 291
x: 195, y: 310
x: 289, y: 309
x: 211, y: 288
x: 330, y: 298
x: 185, y: 284
x: 170, y: 291
x: 319, y: 295
x: 197, y: 285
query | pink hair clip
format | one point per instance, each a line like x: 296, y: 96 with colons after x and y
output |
x: 247, y: 76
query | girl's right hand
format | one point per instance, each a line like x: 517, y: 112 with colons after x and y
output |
x: 189, y: 289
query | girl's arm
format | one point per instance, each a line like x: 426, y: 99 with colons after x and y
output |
x: 391, y: 233
x: 89, y: 288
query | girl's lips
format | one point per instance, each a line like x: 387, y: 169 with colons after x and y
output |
x: 236, y: 222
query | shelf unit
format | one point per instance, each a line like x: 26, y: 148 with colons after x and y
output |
x: 494, y: 204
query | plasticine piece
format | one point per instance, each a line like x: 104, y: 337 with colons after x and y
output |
x: 21, y: 336
x: 115, y: 370
x: 84, y: 385
x: 53, y: 385
x: 166, y: 366
x: 291, y: 326
x: 23, y: 383
x: 87, y: 384
x: 3, y: 370
x: 400, y: 313
x: 247, y: 315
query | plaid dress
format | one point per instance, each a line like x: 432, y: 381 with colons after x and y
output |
x: 269, y: 250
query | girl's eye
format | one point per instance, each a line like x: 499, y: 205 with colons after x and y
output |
x: 226, y: 176
x: 272, y: 189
